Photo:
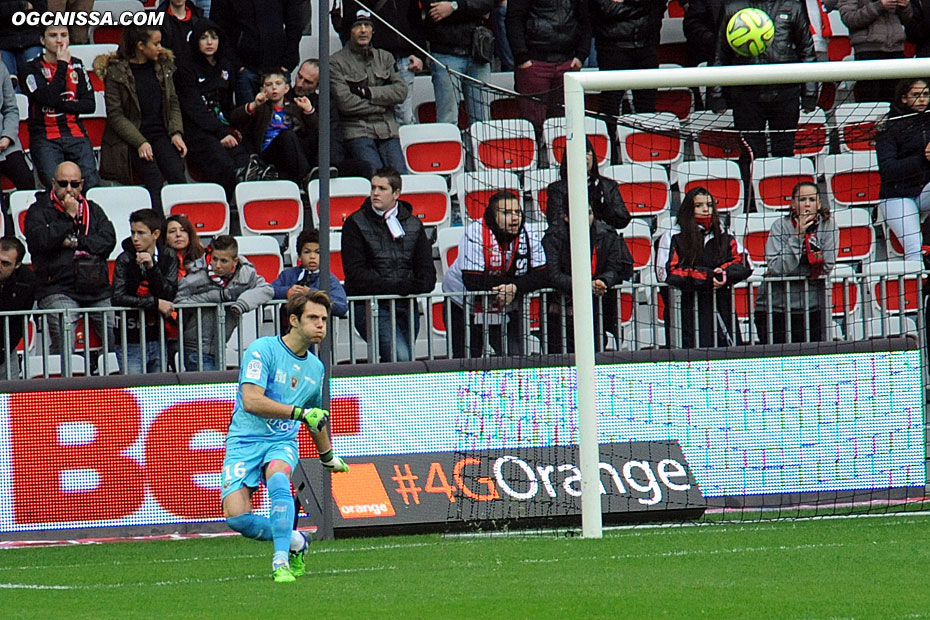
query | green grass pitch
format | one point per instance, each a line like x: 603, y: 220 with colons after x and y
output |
x: 866, y: 567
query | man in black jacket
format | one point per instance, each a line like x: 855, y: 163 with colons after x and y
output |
x: 626, y: 36
x: 70, y: 239
x: 17, y: 292
x: 775, y: 105
x: 180, y: 18
x: 146, y: 277
x: 385, y: 251
x: 264, y: 34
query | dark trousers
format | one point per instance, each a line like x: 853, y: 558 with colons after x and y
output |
x: 875, y: 90
x: 15, y: 168
x: 609, y: 58
x: 504, y: 339
x: 287, y: 153
x: 780, y: 333
x: 216, y: 163
x: 715, y: 327
x: 168, y: 166
x: 542, y: 83
x: 751, y: 115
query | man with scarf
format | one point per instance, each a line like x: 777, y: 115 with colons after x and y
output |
x: 385, y: 251
x: 501, y: 256
x: 70, y: 239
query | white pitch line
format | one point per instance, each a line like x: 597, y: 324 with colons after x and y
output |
x: 178, y: 582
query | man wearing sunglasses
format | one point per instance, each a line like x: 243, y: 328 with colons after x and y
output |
x: 70, y: 239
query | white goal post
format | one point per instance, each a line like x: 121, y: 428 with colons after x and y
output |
x: 576, y: 83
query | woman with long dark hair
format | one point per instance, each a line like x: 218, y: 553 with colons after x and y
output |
x: 902, y: 143
x: 143, y: 135
x: 703, y: 260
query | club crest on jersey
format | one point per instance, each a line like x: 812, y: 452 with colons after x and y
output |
x: 224, y: 74
x: 293, y: 382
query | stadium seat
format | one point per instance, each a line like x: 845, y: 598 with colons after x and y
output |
x: 638, y: 237
x: 721, y: 177
x: 447, y: 241
x: 118, y: 202
x: 851, y: 179
x: 645, y: 189
x: 536, y: 183
x: 893, y: 286
x: 20, y: 201
x: 270, y: 207
x: 811, y: 137
x: 753, y: 231
x: 264, y: 253
x: 476, y: 188
x: 508, y: 144
x: 713, y: 135
x: 112, y: 33
x: 744, y: 299
x: 346, y: 195
x: 678, y: 100
x: 88, y: 53
x: 846, y: 310
x: 204, y: 204
x: 773, y: 178
x: 35, y: 366
x: 426, y: 113
x: 855, y: 125
x: 428, y: 194
x: 595, y: 129
x: 653, y: 138
x: 856, y: 235
x: 432, y: 148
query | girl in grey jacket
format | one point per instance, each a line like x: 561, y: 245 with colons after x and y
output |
x: 801, y: 244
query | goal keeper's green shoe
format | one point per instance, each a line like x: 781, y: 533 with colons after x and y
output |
x: 283, y: 574
x: 297, y: 558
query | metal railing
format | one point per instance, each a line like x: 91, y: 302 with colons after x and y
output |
x: 632, y: 316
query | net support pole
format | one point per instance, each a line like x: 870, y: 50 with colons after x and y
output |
x: 583, y: 308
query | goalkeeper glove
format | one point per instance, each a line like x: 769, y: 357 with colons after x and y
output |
x: 314, y: 418
x: 333, y: 463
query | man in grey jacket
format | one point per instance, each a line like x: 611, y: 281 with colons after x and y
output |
x: 220, y: 276
x: 876, y: 31
x: 365, y: 87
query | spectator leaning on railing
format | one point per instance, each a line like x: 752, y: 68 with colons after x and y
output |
x: 17, y: 292
x: 145, y: 277
x: 802, y: 243
x: 385, y: 251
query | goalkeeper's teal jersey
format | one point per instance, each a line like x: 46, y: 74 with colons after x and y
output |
x: 288, y: 379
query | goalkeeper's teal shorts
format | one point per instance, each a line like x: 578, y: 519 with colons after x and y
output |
x: 245, y: 460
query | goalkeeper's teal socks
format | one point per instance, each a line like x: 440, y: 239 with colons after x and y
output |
x: 251, y: 526
x: 282, y: 512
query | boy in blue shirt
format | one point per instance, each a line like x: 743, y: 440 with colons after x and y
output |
x: 280, y: 386
x: 305, y: 277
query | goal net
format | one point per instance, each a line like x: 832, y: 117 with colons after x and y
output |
x: 788, y: 391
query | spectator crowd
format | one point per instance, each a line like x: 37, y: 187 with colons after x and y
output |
x: 209, y: 96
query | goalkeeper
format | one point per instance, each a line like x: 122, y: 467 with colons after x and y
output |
x: 280, y: 387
